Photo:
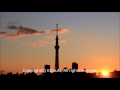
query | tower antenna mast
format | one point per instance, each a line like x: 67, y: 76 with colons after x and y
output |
x: 57, y: 29
x: 57, y: 50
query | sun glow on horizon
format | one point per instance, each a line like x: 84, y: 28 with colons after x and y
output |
x: 105, y: 73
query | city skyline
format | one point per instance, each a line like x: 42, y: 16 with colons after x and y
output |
x: 89, y: 38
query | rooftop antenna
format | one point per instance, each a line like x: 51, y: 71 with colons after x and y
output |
x: 57, y: 29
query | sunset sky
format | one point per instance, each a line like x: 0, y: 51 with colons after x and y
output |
x: 27, y: 40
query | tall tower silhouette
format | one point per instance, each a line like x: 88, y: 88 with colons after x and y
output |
x: 56, y: 50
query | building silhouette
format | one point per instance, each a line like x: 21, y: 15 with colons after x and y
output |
x: 74, y: 65
x: 56, y: 50
x: 65, y: 69
x: 47, y: 68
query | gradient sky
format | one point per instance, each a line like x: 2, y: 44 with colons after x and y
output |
x: 89, y: 38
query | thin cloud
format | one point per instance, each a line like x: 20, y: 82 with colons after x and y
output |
x: 43, y: 41
x: 21, y: 31
x: 24, y: 30
x: 15, y: 36
x: 3, y: 72
x: 49, y: 36
x: 61, y: 31
x: 11, y: 27
x: 3, y: 34
x: 47, y: 31
x: 29, y: 31
x: 53, y: 42
x: 13, y: 22
x: 33, y: 43
x: 30, y: 42
x: 63, y: 41
x: 41, y: 44
x: 23, y: 43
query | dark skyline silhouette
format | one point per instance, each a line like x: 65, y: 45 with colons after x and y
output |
x: 68, y: 73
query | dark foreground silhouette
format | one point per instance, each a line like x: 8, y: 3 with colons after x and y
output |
x: 57, y: 76
x: 59, y: 80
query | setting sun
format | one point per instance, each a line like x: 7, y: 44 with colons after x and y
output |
x: 105, y: 73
